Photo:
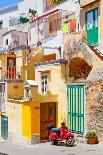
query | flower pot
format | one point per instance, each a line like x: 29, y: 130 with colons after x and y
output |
x: 91, y: 141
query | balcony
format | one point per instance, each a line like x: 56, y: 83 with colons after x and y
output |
x: 86, y: 2
x: 11, y: 74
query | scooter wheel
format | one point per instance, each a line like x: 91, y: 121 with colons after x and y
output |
x: 54, y: 142
x: 70, y: 141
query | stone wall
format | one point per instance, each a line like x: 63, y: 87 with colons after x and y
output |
x: 94, y: 108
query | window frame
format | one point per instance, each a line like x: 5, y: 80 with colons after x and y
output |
x: 27, y: 95
x: 44, y: 83
x: 1, y: 24
x: 7, y: 42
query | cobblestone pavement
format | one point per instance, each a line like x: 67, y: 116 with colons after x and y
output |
x: 48, y: 149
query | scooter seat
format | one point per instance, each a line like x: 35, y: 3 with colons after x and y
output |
x: 56, y: 130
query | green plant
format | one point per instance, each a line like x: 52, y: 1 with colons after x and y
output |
x: 20, y: 97
x: 91, y: 134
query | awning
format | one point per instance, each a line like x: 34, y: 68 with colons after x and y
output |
x: 30, y: 83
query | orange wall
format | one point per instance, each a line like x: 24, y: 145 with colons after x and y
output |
x: 49, y: 57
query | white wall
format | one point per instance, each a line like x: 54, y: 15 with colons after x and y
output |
x: 33, y: 34
x: 8, y: 36
x: 19, y: 38
x: 15, y: 39
x: 57, y: 41
x: 6, y: 17
x: 25, y: 5
x: 68, y: 5
x: 40, y: 6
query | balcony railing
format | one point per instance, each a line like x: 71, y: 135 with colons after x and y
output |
x: 11, y: 74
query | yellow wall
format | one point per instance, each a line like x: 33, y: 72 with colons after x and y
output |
x: 19, y: 62
x: 85, y: 2
x: 12, y: 92
x: 3, y: 58
x: 30, y: 119
x: 35, y: 118
x: 26, y: 120
x: 28, y: 69
x: 57, y: 88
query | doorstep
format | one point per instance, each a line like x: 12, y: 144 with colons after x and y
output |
x: 44, y: 140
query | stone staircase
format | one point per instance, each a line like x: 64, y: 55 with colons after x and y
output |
x: 97, y: 52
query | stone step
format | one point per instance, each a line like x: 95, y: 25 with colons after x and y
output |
x: 80, y: 139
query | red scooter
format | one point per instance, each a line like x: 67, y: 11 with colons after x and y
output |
x: 61, y: 135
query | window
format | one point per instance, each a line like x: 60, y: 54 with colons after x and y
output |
x: 11, y: 63
x: 54, y: 23
x: 1, y: 24
x: 13, y: 21
x: 7, y: 42
x: 27, y: 93
x: 44, y: 83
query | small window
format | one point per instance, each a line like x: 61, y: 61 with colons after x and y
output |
x: 44, y: 83
x: 11, y: 63
x: 1, y: 25
x: 27, y: 93
x: 7, y: 42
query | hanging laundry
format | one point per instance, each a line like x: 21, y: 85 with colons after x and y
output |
x: 65, y: 27
x: 73, y: 25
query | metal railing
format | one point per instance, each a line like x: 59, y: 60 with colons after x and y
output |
x: 11, y: 72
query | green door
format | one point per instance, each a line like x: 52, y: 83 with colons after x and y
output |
x: 4, y: 127
x: 76, y: 108
x: 92, y: 27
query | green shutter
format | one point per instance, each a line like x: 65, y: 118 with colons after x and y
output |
x: 76, y: 108
x: 92, y: 27
x: 24, y: 20
x: 4, y: 127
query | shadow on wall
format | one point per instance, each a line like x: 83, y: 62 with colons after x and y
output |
x: 78, y: 68
x: 79, y: 59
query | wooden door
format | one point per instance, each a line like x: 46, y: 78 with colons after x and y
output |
x: 52, y: 113
x: 43, y: 120
x: 47, y: 115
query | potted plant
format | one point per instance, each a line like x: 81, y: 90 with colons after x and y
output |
x: 91, y: 137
